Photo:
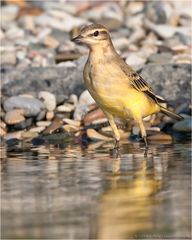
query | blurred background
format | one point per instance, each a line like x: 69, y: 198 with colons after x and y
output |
x: 38, y: 33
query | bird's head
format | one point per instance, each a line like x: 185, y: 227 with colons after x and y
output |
x: 93, y: 35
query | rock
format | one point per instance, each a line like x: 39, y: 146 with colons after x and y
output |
x: 57, y: 80
x: 166, y: 31
x: 14, y: 116
x: 93, y: 115
x: 72, y: 122
x: 109, y: 10
x: 159, y: 137
x: 135, y: 61
x: 23, y: 125
x: 31, y: 106
x: 48, y: 99
x: 43, y: 123
x: 13, y: 135
x: 183, y: 58
x: 158, y: 12
x: 94, y: 135
x: 41, y: 115
x: 2, y: 131
x: 8, y: 13
x: 183, y: 126
x: 28, y: 134
x: 70, y: 128
x: 50, y: 115
x: 37, y: 129
x: 65, y: 108
x: 27, y: 23
x: 8, y: 57
x: 50, y: 42
x: 176, y: 78
x: 56, y: 124
x: 160, y: 58
x: 60, y: 98
x: 82, y: 108
x: 73, y: 99
x: 2, y: 124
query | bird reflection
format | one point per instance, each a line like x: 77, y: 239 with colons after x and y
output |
x: 126, y: 209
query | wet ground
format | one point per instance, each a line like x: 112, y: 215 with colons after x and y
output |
x: 68, y: 192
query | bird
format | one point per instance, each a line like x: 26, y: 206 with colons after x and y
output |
x: 114, y: 85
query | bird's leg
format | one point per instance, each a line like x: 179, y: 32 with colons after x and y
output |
x: 115, y: 130
x: 144, y: 136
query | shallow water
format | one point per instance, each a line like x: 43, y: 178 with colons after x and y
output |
x: 73, y: 192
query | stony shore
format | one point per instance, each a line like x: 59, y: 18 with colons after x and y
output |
x: 42, y: 92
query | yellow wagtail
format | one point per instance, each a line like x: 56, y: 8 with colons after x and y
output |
x: 117, y: 89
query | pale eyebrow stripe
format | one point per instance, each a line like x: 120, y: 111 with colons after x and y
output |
x: 102, y: 32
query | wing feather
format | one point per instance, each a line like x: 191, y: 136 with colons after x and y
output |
x: 137, y: 82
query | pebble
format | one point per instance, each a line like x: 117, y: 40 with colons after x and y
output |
x: 2, y: 131
x: 8, y: 57
x: 48, y: 99
x: 43, y: 123
x: 72, y: 122
x: 60, y: 98
x: 56, y: 124
x: 82, y: 108
x: 14, y: 116
x: 41, y: 115
x: 94, y: 135
x: 23, y: 125
x: 166, y: 31
x: 70, y: 128
x: 160, y: 58
x: 9, y: 13
x: 13, y: 135
x: 31, y: 106
x: 160, y: 137
x: 2, y: 124
x: 29, y: 134
x: 93, y: 115
x: 65, y: 108
x: 183, y: 126
x: 50, y: 115
x: 135, y: 60
x: 50, y: 42
x: 37, y: 129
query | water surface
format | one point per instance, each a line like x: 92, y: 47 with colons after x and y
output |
x: 73, y: 192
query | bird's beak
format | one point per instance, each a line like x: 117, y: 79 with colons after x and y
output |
x: 77, y: 39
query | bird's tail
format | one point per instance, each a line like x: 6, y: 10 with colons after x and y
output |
x: 170, y: 114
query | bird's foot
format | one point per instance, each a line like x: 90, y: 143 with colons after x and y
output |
x: 116, y: 152
x: 146, y: 147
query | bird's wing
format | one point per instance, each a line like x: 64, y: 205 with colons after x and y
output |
x: 137, y: 82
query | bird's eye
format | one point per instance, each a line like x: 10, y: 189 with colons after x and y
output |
x: 96, y: 33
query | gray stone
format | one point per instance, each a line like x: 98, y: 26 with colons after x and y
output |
x: 23, y: 125
x: 171, y: 81
x: 8, y: 13
x: 58, y: 80
x: 48, y: 99
x: 160, y: 58
x: 82, y: 107
x: 183, y: 126
x: 41, y: 115
x: 31, y: 106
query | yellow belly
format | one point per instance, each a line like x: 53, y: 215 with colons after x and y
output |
x: 111, y: 91
x: 124, y: 102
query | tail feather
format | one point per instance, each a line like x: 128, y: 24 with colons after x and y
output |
x: 171, y: 114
